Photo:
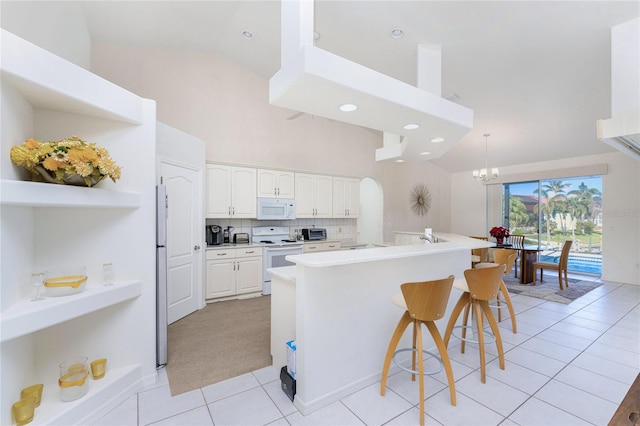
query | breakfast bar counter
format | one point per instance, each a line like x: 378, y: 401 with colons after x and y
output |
x: 337, y: 306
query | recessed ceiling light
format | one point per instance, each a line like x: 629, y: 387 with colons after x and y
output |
x: 437, y: 140
x: 399, y: 161
x: 411, y: 126
x: 425, y: 153
x: 348, y: 107
x: 247, y: 35
x: 397, y: 33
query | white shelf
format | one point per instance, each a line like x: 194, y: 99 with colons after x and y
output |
x: 39, y: 194
x: 50, y: 82
x: 53, y: 411
x: 25, y: 316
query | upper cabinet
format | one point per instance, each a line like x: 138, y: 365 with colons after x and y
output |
x: 314, y: 197
x: 346, y: 197
x: 276, y: 184
x: 231, y: 192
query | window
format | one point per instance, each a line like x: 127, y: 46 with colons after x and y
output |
x: 548, y: 212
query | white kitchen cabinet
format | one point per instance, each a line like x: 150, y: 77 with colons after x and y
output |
x: 231, y: 192
x: 314, y: 197
x: 312, y: 247
x: 275, y: 184
x: 233, y: 271
x: 346, y: 197
x: 47, y: 226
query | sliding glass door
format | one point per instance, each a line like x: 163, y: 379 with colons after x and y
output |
x: 548, y: 212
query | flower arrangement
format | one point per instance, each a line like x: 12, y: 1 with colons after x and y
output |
x: 67, y: 161
x: 499, y: 232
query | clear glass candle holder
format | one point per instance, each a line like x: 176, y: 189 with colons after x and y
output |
x: 107, y: 274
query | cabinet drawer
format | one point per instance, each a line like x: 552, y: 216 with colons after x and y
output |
x: 221, y: 254
x: 249, y: 252
x: 308, y: 248
x: 332, y: 246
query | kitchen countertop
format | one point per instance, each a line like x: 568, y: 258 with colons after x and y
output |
x: 452, y: 242
x: 232, y: 245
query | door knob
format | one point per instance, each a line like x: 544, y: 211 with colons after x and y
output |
x: 196, y: 247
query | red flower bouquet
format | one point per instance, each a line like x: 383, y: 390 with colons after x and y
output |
x: 499, y: 233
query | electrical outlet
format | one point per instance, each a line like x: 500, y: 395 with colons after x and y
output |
x: 339, y: 229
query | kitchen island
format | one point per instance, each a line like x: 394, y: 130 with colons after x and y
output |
x: 337, y: 306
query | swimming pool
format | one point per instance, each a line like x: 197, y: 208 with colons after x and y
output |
x: 578, y: 263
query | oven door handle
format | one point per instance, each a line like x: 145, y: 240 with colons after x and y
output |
x: 283, y: 248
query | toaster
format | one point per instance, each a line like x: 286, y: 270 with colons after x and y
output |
x: 241, y: 238
x: 314, y: 234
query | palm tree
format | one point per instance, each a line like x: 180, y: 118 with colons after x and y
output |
x: 589, y: 198
x: 552, y: 201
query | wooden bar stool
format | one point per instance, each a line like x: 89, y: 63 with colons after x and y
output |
x: 507, y: 258
x: 479, y: 286
x: 424, y: 302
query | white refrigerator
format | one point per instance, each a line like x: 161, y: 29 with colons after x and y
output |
x: 161, y: 275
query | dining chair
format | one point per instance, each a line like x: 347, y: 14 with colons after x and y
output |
x: 479, y: 255
x: 517, y: 243
x: 561, y: 266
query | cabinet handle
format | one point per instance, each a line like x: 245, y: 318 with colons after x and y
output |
x: 238, y: 266
x: 234, y: 266
x: 221, y: 254
x: 332, y: 246
x: 249, y: 252
x: 233, y: 211
x: 229, y: 210
x: 275, y: 191
x: 278, y: 191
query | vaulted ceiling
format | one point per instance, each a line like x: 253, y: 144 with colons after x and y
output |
x: 536, y: 73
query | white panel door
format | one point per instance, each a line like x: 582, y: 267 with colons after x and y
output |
x: 184, y: 229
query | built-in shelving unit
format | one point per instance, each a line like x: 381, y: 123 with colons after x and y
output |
x: 26, y: 316
x: 45, y: 226
x: 36, y: 194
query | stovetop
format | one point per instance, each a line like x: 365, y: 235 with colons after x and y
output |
x: 273, y: 236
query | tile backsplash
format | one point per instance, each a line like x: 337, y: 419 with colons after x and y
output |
x: 340, y: 229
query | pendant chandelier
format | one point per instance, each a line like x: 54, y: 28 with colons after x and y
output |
x: 483, y: 174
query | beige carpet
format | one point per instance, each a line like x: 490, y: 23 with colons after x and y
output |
x: 221, y: 341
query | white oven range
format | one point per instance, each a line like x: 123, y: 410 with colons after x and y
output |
x: 277, y: 246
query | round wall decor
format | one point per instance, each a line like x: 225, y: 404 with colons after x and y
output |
x: 420, y: 199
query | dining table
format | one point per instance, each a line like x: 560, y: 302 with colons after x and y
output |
x: 528, y: 255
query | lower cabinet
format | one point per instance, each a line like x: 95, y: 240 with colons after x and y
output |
x: 233, y: 271
x: 312, y: 247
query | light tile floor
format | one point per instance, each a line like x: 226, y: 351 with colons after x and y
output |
x: 567, y: 365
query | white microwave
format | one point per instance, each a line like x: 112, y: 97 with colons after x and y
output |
x: 276, y: 209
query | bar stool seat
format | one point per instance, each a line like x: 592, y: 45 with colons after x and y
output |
x: 424, y: 303
x: 478, y: 287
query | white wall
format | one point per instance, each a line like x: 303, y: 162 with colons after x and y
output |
x: 227, y: 106
x: 621, y: 208
x: 58, y: 27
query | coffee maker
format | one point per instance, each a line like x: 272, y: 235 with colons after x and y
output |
x: 214, y: 235
x: 227, y: 234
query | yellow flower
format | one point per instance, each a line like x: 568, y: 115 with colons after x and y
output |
x: 67, y: 157
x: 50, y: 163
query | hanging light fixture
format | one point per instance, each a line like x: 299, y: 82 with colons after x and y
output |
x: 483, y: 174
